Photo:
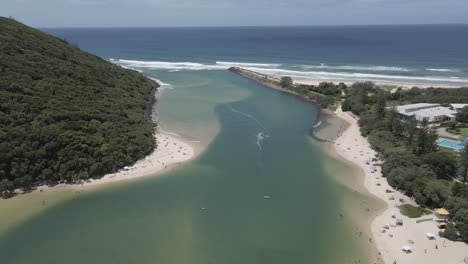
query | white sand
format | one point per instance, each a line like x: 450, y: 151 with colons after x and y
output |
x: 171, y: 150
x: 350, y: 82
x: 352, y: 146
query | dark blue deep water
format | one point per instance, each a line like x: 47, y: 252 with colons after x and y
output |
x: 429, y: 54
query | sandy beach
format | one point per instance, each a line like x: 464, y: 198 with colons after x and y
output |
x: 355, y: 148
x: 171, y: 150
x: 350, y: 82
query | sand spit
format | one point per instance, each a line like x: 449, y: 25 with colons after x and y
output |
x: 355, y: 148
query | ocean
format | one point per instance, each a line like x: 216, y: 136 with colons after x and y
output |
x: 426, y: 54
x: 279, y: 198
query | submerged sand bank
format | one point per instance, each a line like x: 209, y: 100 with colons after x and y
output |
x: 172, y: 150
x: 355, y: 148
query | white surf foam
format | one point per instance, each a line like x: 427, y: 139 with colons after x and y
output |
x: 164, y: 65
x: 161, y: 83
x: 177, y: 66
x: 442, y: 70
x: 357, y: 68
x: 275, y: 71
x: 247, y: 64
x: 353, y: 76
x: 131, y: 68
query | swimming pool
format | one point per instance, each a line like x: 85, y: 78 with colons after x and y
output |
x: 452, y: 144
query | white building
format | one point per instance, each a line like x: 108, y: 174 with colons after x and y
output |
x: 458, y: 107
x: 424, y: 111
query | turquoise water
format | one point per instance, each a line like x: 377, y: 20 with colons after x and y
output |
x: 447, y: 143
x: 280, y: 200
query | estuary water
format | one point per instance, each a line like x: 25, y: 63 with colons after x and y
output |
x: 262, y: 191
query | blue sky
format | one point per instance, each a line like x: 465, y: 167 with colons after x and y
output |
x: 154, y: 13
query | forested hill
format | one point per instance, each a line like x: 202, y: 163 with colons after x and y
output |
x: 65, y: 114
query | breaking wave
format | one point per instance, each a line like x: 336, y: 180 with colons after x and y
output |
x: 245, y: 64
x: 130, y: 68
x: 161, y: 83
x: 173, y: 66
x: 442, y: 70
x: 357, y: 68
x: 319, y: 75
x: 304, y: 71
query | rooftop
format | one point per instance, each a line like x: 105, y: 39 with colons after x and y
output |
x: 442, y: 211
x: 406, y: 109
x: 436, y: 111
x: 458, y: 106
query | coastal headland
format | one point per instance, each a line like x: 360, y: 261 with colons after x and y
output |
x: 170, y: 151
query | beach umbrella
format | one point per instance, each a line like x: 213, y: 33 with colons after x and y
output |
x: 430, y: 235
x: 406, y: 248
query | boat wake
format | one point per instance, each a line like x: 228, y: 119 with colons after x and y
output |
x: 249, y: 116
x: 260, y: 137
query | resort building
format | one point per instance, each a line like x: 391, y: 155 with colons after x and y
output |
x: 425, y: 112
x: 458, y: 107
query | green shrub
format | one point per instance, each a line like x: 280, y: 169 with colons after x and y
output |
x: 413, y: 211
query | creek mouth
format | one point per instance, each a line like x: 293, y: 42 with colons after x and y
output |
x: 243, y: 200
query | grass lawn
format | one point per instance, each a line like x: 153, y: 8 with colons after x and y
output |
x: 464, y: 131
x: 413, y: 211
x: 461, y: 131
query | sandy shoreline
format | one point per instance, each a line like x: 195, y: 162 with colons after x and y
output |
x: 353, y: 147
x: 171, y: 150
x: 350, y: 82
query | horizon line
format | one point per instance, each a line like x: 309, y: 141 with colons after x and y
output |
x: 255, y: 26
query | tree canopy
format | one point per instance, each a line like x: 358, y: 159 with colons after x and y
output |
x: 65, y: 114
x: 412, y: 160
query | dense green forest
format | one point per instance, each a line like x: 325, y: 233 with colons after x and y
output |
x: 431, y: 95
x: 65, y: 114
x: 326, y: 94
x: 412, y: 161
